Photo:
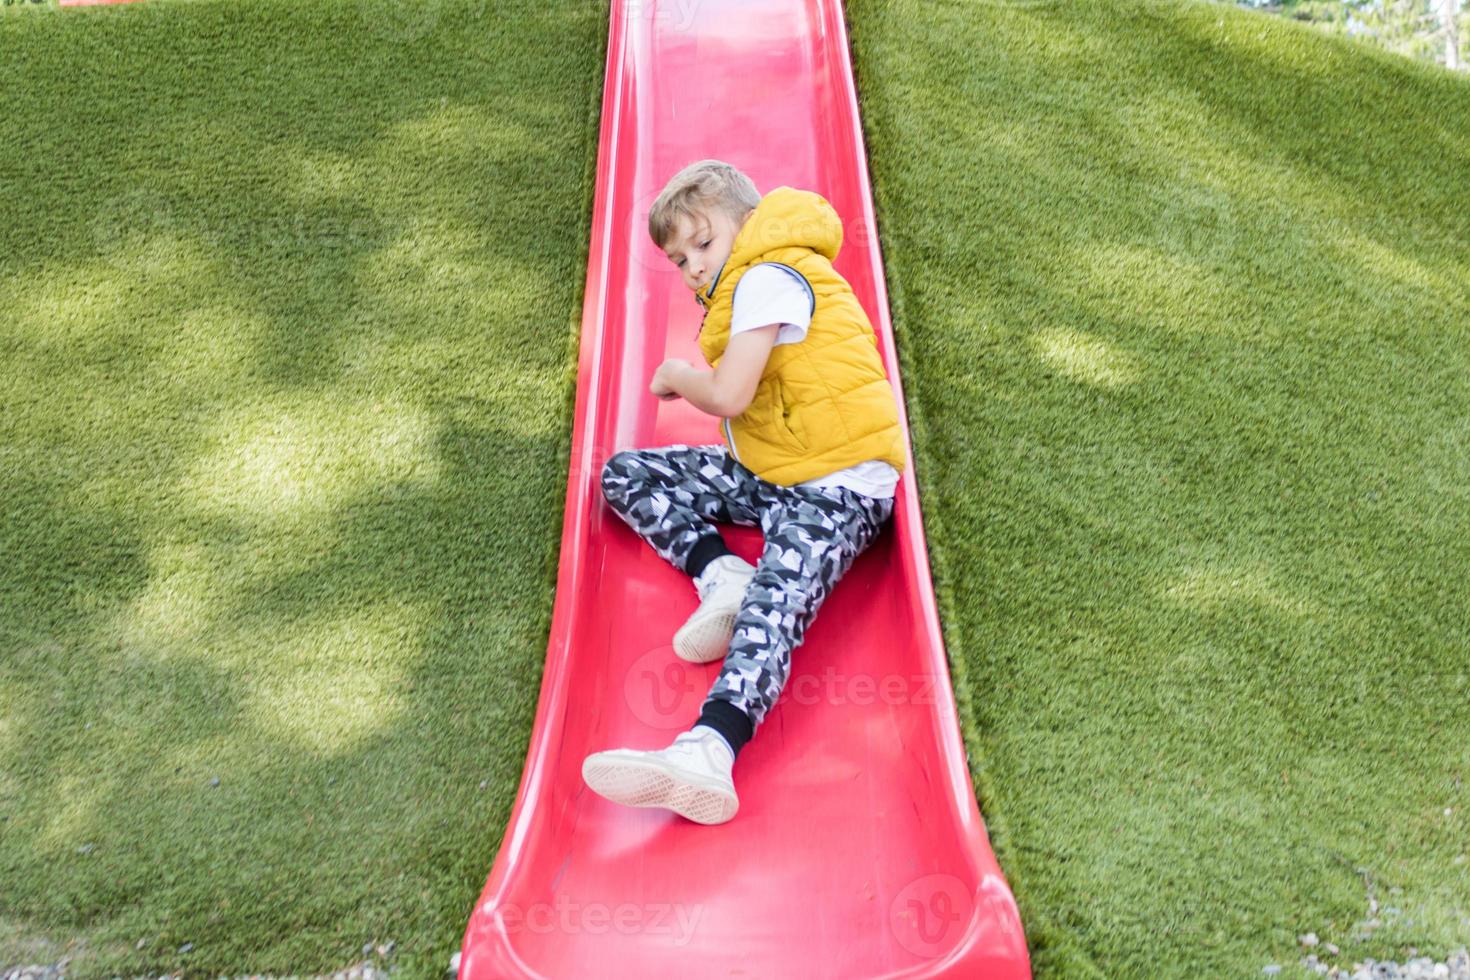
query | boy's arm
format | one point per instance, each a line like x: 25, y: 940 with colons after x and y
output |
x: 728, y: 389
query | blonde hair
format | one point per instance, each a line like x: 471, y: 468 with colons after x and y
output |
x: 703, y: 186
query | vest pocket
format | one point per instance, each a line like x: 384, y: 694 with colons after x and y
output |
x: 790, y: 425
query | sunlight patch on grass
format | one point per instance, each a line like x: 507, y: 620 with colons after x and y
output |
x: 325, y: 175
x: 70, y: 815
x: 176, y: 604
x: 461, y: 125
x: 1154, y: 282
x: 1210, y: 589
x: 428, y: 266
x: 1378, y: 261
x: 1085, y: 359
x: 327, y: 686
x: 305, y: 456
x: 83, y: 298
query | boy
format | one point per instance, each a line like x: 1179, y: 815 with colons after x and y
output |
x: 812, y: 453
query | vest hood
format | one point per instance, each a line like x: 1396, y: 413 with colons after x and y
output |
x: 785, y: 217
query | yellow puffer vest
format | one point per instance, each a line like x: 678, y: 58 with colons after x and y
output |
x: 822, y: 404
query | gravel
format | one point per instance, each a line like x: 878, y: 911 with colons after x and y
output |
x: 362, y: 970
x: 1455, y: 967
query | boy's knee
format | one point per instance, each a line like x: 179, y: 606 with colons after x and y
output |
x: 615, y: 473
x: 781, y: 595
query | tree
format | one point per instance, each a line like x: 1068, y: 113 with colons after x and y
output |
x: 1449, y: 15
x: 1429, y: 29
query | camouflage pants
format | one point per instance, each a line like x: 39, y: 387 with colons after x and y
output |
x: 670, y: 496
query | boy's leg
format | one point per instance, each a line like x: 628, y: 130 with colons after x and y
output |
x: 670, y: 495
x: 812, y: 538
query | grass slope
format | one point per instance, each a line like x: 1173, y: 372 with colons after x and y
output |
x: 1182, y: 305
x: 289, y: 297
x: 1181, y: 299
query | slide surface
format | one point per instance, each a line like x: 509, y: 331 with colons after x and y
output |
x: 858, y: 849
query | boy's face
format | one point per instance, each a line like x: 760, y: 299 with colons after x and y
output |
x: 700, y: 247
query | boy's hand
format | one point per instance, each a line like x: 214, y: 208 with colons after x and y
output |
x: 661, y: 385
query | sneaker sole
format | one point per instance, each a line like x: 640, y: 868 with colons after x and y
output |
x: 706, y: 639
x: 642, y: 782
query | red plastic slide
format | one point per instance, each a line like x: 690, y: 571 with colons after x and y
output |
x: 858, y: 850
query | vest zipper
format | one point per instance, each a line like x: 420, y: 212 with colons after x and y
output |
x: 731, y: 437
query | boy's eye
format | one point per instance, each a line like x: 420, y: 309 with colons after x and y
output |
x: 704, y: 244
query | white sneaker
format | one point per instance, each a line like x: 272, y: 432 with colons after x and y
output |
x: 690, y: 777
x: 721, y: 587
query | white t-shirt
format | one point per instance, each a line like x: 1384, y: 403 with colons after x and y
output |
x: 771, y: 293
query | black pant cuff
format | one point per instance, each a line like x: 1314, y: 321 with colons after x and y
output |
x: 705, y: 550
x: 729, y: 721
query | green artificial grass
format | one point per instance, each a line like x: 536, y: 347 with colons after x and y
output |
x: 1181, y: 296
x: 290, y: 294
x: 289, y: 298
